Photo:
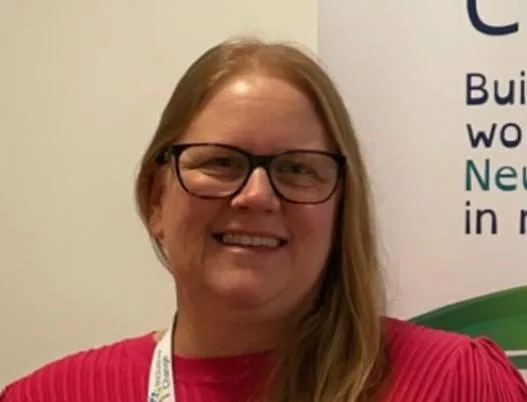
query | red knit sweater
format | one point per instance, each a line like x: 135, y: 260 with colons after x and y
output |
x: 427, y: 366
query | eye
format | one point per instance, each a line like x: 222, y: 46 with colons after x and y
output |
x: 295, y: 168
x: 221, y: 161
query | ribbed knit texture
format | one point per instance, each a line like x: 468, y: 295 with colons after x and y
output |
x: 426, y: 366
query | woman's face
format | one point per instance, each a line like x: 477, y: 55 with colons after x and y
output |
x: 263, y: 116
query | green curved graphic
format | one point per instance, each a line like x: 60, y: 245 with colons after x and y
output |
x: 501, y: 316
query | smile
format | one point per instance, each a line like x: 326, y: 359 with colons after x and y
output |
x: 249, y: 240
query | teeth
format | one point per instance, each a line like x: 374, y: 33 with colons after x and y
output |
x: 245, y: 240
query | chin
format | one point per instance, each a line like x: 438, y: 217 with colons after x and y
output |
x: 246, y: 291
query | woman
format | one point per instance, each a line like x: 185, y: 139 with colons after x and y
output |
x: 255, y: 195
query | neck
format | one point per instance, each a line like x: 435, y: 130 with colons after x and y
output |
x: 211, y: 334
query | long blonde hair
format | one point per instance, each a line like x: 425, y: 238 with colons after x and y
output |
x: 337, y: 353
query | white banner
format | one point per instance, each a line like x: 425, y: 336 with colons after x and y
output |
x: 437, y: 93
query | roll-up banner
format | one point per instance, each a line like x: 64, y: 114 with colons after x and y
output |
x: 438, y: 96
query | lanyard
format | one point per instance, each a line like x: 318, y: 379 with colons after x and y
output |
x: 161, y: 380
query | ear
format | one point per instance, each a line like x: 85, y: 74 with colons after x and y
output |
x: 155, y: 222
x: 155, y: 210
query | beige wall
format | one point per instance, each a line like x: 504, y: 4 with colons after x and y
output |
x: 82, y: 84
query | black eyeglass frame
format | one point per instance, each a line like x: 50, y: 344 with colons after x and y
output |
x: 255, y: 160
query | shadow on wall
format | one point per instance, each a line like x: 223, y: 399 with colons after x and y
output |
x: 501, y: 316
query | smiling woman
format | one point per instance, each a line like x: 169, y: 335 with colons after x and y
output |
x: 254, y: 192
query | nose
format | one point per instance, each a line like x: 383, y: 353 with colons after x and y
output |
x: 257, y: 194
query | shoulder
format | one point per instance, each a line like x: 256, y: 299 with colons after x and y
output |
x: 87, y: 374
x: 436, y: 365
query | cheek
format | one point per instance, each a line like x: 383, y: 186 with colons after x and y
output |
x: 312, y: 228
x: 314, y: 224
x: 186, y: 223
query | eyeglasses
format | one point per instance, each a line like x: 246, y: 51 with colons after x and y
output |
x: 214, y: 171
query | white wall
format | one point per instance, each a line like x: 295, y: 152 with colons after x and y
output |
x: 82, y: 84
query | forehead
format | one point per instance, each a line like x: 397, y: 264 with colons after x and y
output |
x: 259, y: 113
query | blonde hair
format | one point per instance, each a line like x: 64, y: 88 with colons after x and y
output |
x: 337, y: 353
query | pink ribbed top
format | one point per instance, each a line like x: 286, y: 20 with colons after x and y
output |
x: 427, y: 366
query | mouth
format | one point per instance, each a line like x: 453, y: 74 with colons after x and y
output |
x: 249, y: 241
